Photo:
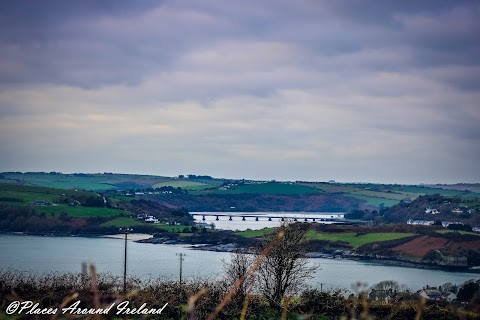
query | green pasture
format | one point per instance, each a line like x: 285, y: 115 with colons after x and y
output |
x: 331, y: 187
x: 122, y: 222
x: 61, y: 181
x: 28, y: 197
x: 83, y: 182
x: 268, y: 188
x: 184, y: 184
x: 459, y: 231
x: 256, y: 233
x: 80, y: 212
x: 421, y: 190
x: 374, y: 201
x: 171, y: 228
x: 357, y: 240
x: 471, y: 195
x: 383, y: 195
x: 188, y: 234
x: 32, y: 193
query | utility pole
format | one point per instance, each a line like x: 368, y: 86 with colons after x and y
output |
x: 321, y: 287
x: 126, y: 231
x: 181, y: 255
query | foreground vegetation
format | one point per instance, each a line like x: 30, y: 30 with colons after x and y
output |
x: 198, y: 299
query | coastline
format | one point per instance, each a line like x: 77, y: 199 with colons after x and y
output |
x: 231, y: 247
x: 131, y: 236
x: 338, y: 255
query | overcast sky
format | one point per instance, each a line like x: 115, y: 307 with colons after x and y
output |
x: 380, y: 91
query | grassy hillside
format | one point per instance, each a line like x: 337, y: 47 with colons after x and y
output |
x: 356, y: 240
x: 378, y: 195
x: 353, y: 238
x: 122, y: 222
x: 82, y: 181
x: 184, y: 184
x: 371, y: 195
x: 265, y: 188
x: 56, y: 199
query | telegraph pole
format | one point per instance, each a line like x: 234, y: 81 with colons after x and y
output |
x: 181, y: 255
x: 126, y: 231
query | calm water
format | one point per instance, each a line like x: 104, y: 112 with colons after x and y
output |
x: 61, y: 254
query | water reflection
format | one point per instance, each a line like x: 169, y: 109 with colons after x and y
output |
x: 66, y: 254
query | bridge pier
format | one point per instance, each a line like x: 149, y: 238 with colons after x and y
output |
x: 203, y: 218
x: 256, y: 218
x: 306, y: 220
x: 283, y: 219
x: 243, y: 218
x: 230, y: 218
x: 217, y: 218
x: 269, y: 218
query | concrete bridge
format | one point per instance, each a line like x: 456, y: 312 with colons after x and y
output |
x: 334, y: 217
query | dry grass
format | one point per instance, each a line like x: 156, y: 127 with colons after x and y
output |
x: 203, y: 299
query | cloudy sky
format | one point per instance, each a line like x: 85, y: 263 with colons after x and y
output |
x: 381, y: 91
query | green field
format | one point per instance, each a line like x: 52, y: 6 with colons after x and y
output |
x: 92, y: 182
x: 372, y: 201
x: 349, y: 237
x: 357, y: 240
x: 28, y: 194
x: 96, y: 182
x: 386, y: 195
x: 268, y: 188
x: 371, y: 197
x: 122, y: 222
x: 81, y: 212
x: 184, y: 184
x: 331, y: 187
x: 459, y: 231
x: 420, y: 190
x: 256, y: 233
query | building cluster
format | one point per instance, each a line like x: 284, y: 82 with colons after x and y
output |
x: 437, y: 295
x: 147, y: 218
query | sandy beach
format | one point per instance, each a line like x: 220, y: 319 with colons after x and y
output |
x: 131, y: 236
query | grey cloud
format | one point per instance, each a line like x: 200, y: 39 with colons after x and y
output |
x: 89, y: 44
x: 276, y: 89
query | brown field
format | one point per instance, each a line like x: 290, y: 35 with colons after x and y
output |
x: 418, y: 247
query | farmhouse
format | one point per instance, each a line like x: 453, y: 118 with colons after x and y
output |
x: 420, y: 222
x: 430, y: 294
x: 436, y: 295
x: 445, y: 224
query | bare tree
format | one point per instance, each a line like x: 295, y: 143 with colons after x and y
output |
x: 239, y: 264
x: 285, y: 269
x: 386, y: 289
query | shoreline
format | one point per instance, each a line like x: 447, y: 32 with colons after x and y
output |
x: 131, y: 236
x: 379, y: 260
x: 230, y: 247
